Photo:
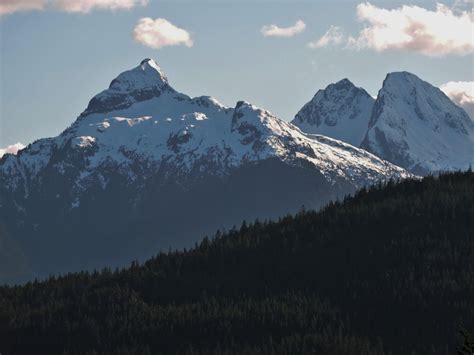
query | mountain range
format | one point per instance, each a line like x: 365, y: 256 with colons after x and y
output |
x: 411, y: 123
x: 145, y: 168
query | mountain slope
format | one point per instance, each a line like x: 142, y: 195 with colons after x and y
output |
x: 415, y: 125
x: 146, y: 159
x: 388, y: 271
x: 341, y: 111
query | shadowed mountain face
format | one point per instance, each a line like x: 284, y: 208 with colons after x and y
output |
x: 411, y: 123
x: 146, y: 168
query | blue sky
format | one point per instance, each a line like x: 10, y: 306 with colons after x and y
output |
x: 53, y: 62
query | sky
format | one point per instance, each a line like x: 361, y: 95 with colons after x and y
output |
x: 55, y: 55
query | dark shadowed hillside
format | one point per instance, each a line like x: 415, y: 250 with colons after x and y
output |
x: 389, y: 271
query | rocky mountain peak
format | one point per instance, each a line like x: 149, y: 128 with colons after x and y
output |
x: 341, y: 111
x: 141, y: 83
x: 415, y: 125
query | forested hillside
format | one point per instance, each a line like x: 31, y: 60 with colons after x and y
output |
x: 388, y: 271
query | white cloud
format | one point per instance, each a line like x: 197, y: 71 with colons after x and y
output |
x: 413, y: 28
x: 275, y: 31
x: 462, y: 93
x: 12, y: 149
x: 333, y: 36
x: 438, y: 32
x: 81, y: 6
x: 86, y: 6
x: 10, y: 6
x: 160, y: 33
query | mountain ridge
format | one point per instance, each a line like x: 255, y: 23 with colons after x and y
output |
x: 411, y: 123
x: 143, y: 157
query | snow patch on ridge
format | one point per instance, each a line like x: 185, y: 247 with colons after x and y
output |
x: 83, y: 141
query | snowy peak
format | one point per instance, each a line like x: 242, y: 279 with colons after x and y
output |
x: 429, y: 103
x: 246, y: 115
x: 341, y: 111
x: 141, y: 83
x: 411, y: 123
x: 415, y: 125
x: 147, y: 74
x: 401, y: 78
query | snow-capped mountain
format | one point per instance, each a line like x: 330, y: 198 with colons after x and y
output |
x: 411, y: 123
x: 341, y: 111
x: 415, y: 125
x: 145, y: 167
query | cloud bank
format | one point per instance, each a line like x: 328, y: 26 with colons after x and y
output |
x: 439, y: 32
x: 160, y: 33
x: 283, y: 32
x: 462, y: 93
x: 12, y: 149
x: 81, y: 6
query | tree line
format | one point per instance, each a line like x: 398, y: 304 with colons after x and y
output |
x: 389, y: 270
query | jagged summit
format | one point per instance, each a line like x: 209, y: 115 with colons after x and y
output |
x: 343, y: 83
x: 403, y: 74
x: 141, y: 83
x: 150, y: 67
x: 415, y: 125
x: 341, y: 111
x: 146, y: 75
x: 146, y: 60
x: 411, y: 87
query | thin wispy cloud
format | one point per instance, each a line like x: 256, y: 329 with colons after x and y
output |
x: 86, y: 6
x: 283, y: 32
x: 12, y: 149
x: 79, y: 6
x: 160, y: 33
x: 333, y: 36
x: 462, y: 93
x: 438, y: 32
